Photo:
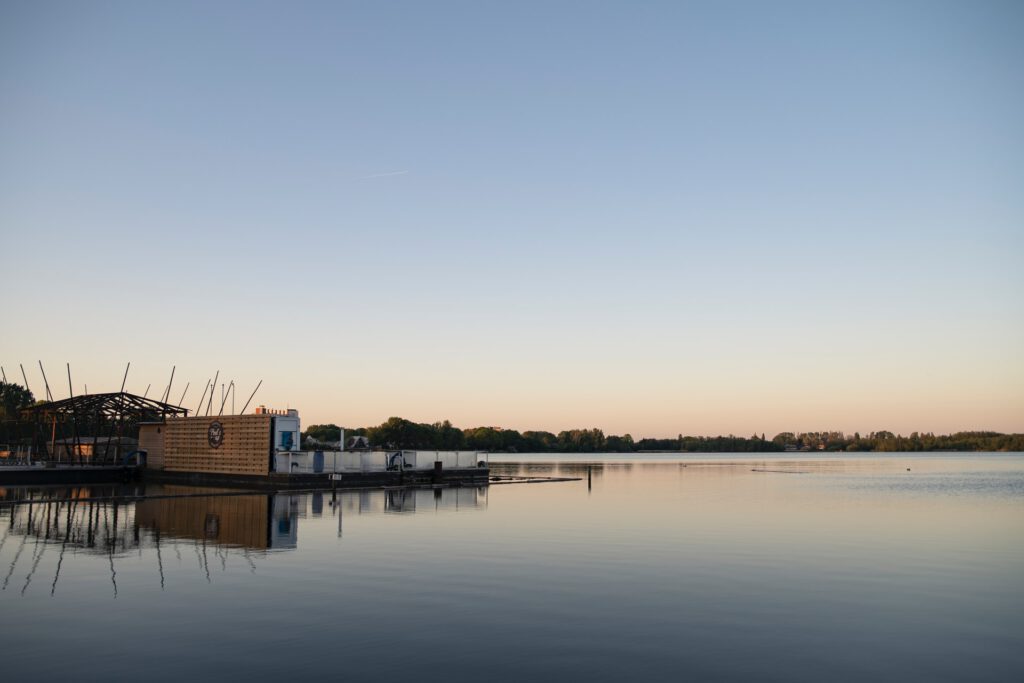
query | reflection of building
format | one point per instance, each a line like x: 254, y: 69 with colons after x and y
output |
x: 424, y: 500
x: 232, y: 520
x: 73, y: 517
x: 284, y: 525
x: 213, y: 522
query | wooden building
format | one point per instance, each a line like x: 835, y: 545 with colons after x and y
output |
x: 228, y: 444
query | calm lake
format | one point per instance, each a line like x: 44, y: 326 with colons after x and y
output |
x: 895, y: 567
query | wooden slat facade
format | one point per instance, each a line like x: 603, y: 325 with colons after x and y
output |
x: 245, y: 449
x: 151, y: 440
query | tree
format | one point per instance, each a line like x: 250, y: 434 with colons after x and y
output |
x: 13, y: 399
x: 784, y: 438
x: 324, y: 433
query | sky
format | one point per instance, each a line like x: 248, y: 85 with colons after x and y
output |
x: 648, y: 217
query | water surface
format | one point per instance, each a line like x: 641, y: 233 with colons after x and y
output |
x: 895, y: 567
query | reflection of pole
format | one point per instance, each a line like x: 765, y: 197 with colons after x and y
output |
x: 159, y: 559
x: 89, y: 534
x: 206, y: 562
x: 110, y: 546
x: 15, y: 560
x: 63, y: 546
x: 588, y: 478
x: 35, y: 565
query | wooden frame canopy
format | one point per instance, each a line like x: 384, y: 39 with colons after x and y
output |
x: 116, y: 405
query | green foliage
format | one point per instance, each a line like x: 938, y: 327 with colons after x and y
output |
x: 13, y: 399
x: 398, y: 432
x: 323, y: 433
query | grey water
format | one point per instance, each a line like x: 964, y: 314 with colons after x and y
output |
x: 738, y: 567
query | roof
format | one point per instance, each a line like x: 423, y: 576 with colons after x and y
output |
x: 113, y: 405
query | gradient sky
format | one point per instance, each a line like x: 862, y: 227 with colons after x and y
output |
x: 654, y: 218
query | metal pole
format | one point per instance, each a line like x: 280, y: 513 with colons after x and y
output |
x: 110, y: 432
x: 120, y: 417
x: 182, y: 401
x: 74, y: 418
x: 203, y: 397
x: 167, y: 394
x: 213, y: 388
x: 125, y: 380
x: 251, y: 395
x: 49, y: 397
x: 23, y: 376
x: 224, y: 397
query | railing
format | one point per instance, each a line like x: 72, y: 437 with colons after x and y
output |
x: 15, y: 455
x: 306, y: 462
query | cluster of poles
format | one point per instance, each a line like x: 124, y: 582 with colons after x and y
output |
x: 111, y: 413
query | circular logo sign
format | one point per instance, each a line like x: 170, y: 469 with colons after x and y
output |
x: 215, y: 434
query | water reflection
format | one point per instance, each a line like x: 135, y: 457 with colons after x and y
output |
x: 116, y: 522
x: 732, y: 568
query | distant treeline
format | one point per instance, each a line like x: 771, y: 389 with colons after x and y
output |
x: 400, y: 433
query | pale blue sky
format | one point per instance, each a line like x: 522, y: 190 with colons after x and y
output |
x: 646, y: 217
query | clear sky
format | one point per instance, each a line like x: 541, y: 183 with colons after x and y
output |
x: 654, y: 218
